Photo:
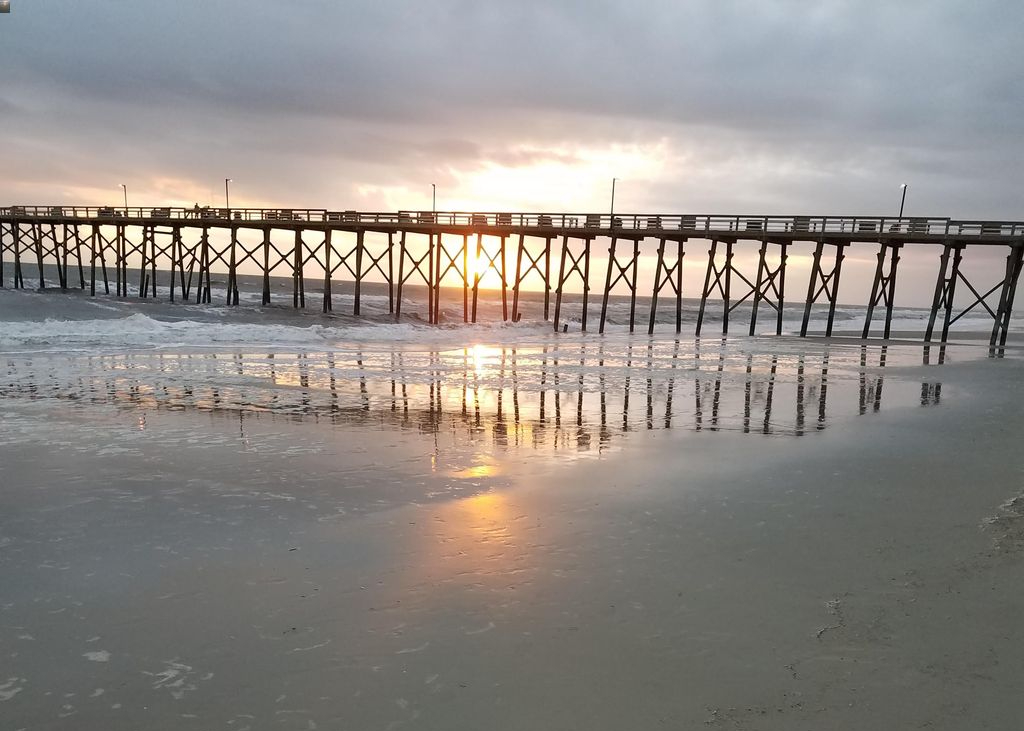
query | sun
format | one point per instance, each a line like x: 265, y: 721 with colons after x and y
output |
x: 490, y: 277
x: 480, y: 263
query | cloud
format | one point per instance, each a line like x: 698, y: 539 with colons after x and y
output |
x: 775, y: 105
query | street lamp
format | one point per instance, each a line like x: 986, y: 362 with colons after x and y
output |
x: 227, y: 194
x: 125, y: 198
x: 903, y: 199
x: 433, y: 193
x: 613, y: 198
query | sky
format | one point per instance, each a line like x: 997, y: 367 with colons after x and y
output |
x: 760, y: 107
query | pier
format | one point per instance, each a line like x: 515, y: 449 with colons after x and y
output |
x: 131, y: 248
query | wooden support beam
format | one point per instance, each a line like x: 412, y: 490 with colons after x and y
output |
x: 762, y: 266
x: 233, y: 268
x: 37, y: 243
x: 152, y: 262
x: 328, y: 304
x: 78, y: 255
x: 298, y: 277
x: 428, y: 278
x: 465, y: 277
x: 579, y: 265
x: 781, y: 286
x: 769, y: 286
x: 490, y: 260
x: 811, y: 296
x: 401, y: 275
x: 720, y: 278
x: 1001, y: 328
x: 435, y: 311
x: 612, y: 261
x: 121, y: 231
x: 822, y: 282
x: 534, y: 265
x: 449, y: 260
x: 3, y: 248
x: 476, y: 275
x: 883, y: 286
x: 64, y: 256
x: 104, y: 244
x: 205, y: 284
x: 92, y: 261
x: 124, y: 258
x: 421, y: 265
x: 504, y: 283
x: 176, y: 262
x: 359, y: 270
x: 193, y: 258
x: 632, y: 284
x: 561, y: 279
x: 671, y: 276
x: 186, y: 284
x: 265, y: 299
x: 19, y: 274
x: 121, y: 262
x: 624, y: 272
x: 391, y: 273
x: 945, y: 289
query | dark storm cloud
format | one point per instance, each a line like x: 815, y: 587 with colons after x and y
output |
x: 805, y: 104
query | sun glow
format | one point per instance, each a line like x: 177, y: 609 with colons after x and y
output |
x: 487, y: 506
x: 476, y: 472
x: 531, y: 178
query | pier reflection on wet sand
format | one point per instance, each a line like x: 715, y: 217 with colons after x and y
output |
x: 579, y: 396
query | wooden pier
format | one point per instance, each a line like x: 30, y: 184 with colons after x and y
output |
x: 130, y: 248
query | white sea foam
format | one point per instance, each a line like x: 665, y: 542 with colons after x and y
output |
x: 139, y: 331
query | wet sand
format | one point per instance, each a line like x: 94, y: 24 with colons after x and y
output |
x: 174, y: 560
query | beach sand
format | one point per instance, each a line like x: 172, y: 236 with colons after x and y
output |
x: 340, y: 554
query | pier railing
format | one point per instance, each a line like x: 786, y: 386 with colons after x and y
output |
x: 648, y: 224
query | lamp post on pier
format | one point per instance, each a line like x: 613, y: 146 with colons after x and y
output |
x: 433, y: 199
x: 612, y: 211
x: 227, y: 196
x: 903, y: 199
x: 125, y: 198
